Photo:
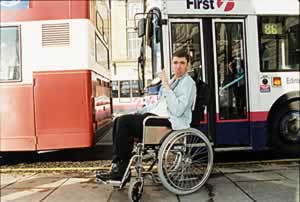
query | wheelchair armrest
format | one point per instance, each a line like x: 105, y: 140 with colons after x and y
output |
x: 157, y: 121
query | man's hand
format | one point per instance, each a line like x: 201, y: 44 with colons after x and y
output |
x: 162, y: 76
x: 164, y: 80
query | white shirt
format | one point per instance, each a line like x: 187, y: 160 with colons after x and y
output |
x: 161, y: 108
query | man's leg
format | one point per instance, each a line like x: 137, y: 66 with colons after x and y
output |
x: 129, y: 127
x: 115, y: 157
x: 126, y: 128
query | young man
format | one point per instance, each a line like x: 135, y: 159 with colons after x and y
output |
x: 175, y: 101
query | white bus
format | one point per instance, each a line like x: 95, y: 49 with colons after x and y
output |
x: 247, y: 51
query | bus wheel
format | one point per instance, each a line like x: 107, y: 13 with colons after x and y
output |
x: 286, y: 130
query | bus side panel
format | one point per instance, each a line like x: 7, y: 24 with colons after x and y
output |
x: 17, y: 118
x: 258, y: 130
x: 102, y: 93
x: 237, y: 133
x: 48, y: 10
x: 63, y: 109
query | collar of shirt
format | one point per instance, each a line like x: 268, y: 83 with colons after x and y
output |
x: 173, y: 82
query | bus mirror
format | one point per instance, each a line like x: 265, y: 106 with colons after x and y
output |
x: 141, y: 27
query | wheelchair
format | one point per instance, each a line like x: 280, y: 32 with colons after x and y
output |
x: 183, y: 159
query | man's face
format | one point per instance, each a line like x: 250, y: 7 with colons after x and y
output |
x: 179, y: 65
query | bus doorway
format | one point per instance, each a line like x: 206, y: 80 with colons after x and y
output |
x: 230, y: 82
x: 217, y: 50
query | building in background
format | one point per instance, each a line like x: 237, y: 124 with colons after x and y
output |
x: 125, y: 51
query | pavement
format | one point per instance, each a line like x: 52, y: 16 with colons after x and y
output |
x: 229, y: 183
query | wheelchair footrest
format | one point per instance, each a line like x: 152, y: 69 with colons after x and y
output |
x: 115, y: 183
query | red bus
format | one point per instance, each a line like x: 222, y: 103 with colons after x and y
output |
x: 54, y: 76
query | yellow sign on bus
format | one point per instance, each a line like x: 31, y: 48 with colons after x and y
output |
x: 272, y: 28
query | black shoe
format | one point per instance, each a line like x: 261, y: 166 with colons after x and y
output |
x: 116, y: 173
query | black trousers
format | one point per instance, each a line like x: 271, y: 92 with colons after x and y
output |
x: 125, y: 129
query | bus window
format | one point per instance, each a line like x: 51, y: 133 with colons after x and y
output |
x: 101, y: 54
x: 230, y: 69
x: 279, y: 43
x: 187, y: 35
x: 115, y: 89
x: 135, y: 88
x: 125, y: 89
x: 10, y: 69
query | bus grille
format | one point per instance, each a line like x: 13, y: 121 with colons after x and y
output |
x: 55, y: 34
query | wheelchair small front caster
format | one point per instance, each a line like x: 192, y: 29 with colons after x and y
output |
x: 135, y: 191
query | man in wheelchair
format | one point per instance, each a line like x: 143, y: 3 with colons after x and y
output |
x: 175, y: 102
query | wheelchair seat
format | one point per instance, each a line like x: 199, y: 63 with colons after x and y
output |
x: 158, y: 122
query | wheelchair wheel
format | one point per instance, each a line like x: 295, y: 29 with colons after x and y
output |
x: 185, y: 161
x: 135, y: 191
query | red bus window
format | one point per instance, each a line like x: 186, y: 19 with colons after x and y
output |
x: 10, y: 69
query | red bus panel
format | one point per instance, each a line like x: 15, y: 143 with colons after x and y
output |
x: 63, y: 110
x: 17, y: 118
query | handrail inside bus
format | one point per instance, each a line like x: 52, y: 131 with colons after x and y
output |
x: 231, y: 83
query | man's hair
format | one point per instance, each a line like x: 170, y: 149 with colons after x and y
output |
x: 181, y: 53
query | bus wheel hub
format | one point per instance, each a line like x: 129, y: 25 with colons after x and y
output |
x: 290, y: 127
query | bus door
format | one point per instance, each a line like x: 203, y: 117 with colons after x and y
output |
x: 217, y: 50
x: 188, y: 34
x: 230, y: 79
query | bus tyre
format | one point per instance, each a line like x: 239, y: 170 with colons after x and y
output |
x: 285, y: 130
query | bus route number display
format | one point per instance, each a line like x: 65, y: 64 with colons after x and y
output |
x: 272, y: 28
